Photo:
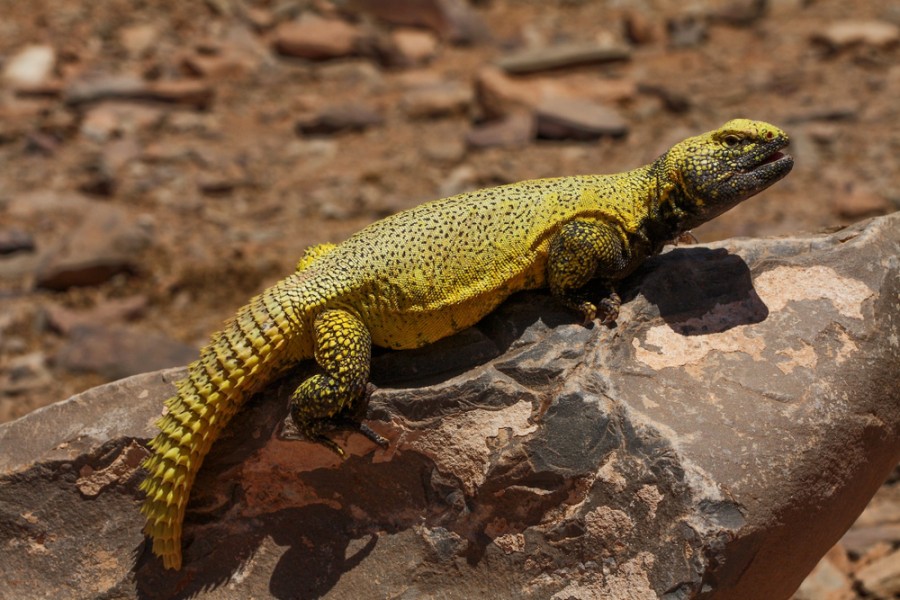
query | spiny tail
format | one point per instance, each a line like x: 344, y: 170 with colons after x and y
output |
x: 254, y: 343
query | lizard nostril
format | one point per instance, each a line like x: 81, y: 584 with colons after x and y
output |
x: 769, y: 135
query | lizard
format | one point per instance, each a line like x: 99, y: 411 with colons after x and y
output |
x: 425, y: 273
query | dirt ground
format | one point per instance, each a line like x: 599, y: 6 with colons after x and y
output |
x: 161, y: 162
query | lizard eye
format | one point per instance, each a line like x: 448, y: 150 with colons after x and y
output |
x: 731, y: 140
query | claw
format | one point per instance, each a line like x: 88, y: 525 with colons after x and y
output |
x: 609, y: 309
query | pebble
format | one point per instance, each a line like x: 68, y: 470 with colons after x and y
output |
x: 566, y: 55
x: 858, y: 201
x: 439, y: 100
x: 413, y: 47
x: 452, y: 20
x: 30, y: 66
x: 65, y: 320
x: 512, y: 130
x: 355, y: 116
x: 687, y: 31
x: 843, y: 34
x: 882, y: 577
x: 316, y: 38
x: 105, y: 243
x: 139, y: 39
x: 568, y: 118
x: 15, y: 240
x: 117, y: 351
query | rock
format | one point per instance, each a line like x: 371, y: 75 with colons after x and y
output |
x: 844, y: 34
x: 514, y: 130
x: 66, y: 320
x: 452, y: 20
x: 740, y: 13
x: 94, y: 87
x: 566, y: 55
x: 226, y: 64
x: 188, y: 92
x: 565, y: 118
x: 642, y: 29
x: 108, y: 120
x: 15, y: 240
x: 715, y: 444
x: 315, y: 38
x: 441, y: 100
x: 859, y: 201
x: 829, y: 580
x: 139, y: 39
x: 116, y: 351
x: 413, y: 47
x: 882, y: 577
x: 354, y: 116
x: 31, y: 66
x: 687, y: 31
x: 24, y: 373
x: 105, y: 243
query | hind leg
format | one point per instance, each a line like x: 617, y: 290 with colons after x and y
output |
x: 337, y: 397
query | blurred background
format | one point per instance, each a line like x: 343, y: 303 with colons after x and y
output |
x: 161, y: 162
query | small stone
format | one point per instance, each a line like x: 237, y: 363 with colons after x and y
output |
x: 567, y: 118
x: 65, y: 320
x: 25, y: 373
x: 341, y: 117
x: 740, y: 13
x: 437, y: 100
x: 92, y: 87
x: 858, y: 201
x: 829, y: 580
x: 513, y: 130
x: 139, y: 39
x: 223, y: 65
x: 641, y: 29
x: 687, y: 31
x: 444, y: 150
x: 15, y: 240
x: 31, y: 66
x: 882, y: 577
x: 452, y: 20
x: 106, y: 242
x: 414, y: 46
x: 189, y: 92
x: 315, y: 38
x: 566, y: 55
x: 499, y: 95
x: 120, y: 351
x: 114, y: 119
x: 844, y: 34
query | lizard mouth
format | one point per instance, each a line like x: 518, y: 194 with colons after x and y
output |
x: 771, y: 159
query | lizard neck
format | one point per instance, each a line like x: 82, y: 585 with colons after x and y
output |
x: 673, y: 211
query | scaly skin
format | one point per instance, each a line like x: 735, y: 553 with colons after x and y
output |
x: 423, y: 274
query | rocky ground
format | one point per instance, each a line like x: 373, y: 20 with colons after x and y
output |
x: 161, y: 162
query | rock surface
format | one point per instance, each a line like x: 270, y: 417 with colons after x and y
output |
x: 714, y: 445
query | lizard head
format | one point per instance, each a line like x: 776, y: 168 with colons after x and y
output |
x: 719, y: 169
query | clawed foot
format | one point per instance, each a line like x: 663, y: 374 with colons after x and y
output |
x: 607, y: 311
x: 314, y: 430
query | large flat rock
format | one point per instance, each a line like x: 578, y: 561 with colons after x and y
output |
x: 714, y: 445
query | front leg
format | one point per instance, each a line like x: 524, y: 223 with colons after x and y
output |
x: 336, y: 398
x: 581, y: 250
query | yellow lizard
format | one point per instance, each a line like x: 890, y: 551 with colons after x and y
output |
x: 425, y: 273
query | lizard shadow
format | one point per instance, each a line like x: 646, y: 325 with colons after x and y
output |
x: 698, y: 291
